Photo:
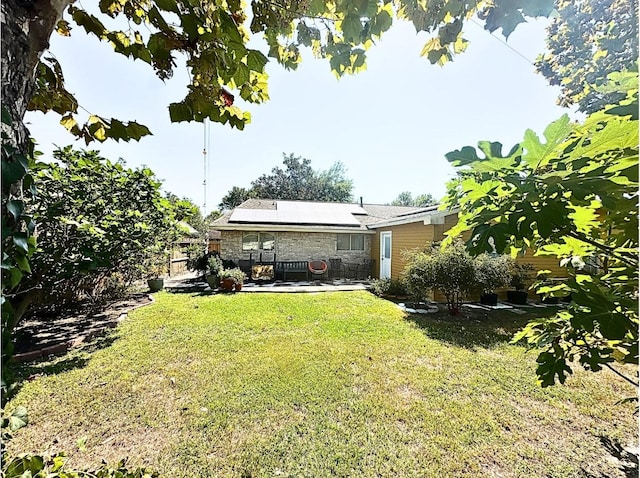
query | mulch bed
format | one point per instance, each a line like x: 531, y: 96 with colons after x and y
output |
x: 53, y: 333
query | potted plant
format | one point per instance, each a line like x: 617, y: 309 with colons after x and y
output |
x: 197, y: 260
x: 520, y: 278
x: 232, y: 279
x: 155, y: 270
x: 213, y: 272
x: 492, y: 272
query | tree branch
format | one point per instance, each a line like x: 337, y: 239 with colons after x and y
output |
x: 628, y: 259
x: 635, y: 384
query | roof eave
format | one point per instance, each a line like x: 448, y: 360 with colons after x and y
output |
x: 292, y: 228
x: 426, y: 218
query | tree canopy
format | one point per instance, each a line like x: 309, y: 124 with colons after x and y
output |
x: 405, y: 198
x: 98, y: 224
x: 186, y: 210
x: 587, y: 40
x: 573, y: 195
x: 213, y: 37
x: 297, y: 181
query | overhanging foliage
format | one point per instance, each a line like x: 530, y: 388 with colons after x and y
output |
x: 572, y: 195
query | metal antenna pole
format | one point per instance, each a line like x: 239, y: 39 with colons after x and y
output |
x: 204, y: 153
x: 204, y: 182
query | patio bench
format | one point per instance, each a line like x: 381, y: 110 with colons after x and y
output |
x: 286, y: 267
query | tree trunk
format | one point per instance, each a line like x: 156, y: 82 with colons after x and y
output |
x: 26, y: 29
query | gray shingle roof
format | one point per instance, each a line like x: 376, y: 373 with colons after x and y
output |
x: 314, y: 213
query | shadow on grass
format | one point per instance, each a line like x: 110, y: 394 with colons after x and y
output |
x: 627, y: 460
x: 191, y: 285
x: 75, y: 358
x: 480, y: 330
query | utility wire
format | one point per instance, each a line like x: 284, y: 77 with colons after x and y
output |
x: 503, y: 42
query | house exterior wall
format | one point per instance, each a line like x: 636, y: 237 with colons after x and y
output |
x: 295, y: 246
x: 403, y: 237
x: 417, y: 235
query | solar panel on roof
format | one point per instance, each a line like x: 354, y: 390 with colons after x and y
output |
x: 297, y: 213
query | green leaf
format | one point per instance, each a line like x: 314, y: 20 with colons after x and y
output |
x: 117, y: 130
x: 351, y: 28
x: 12, y: 172
x: 505, y: 17
x: 180, y: 112
x: 90, y: 23
x: 230, y: 29
x: 449, y: 32
x: 256, y: 60
x: 16, y: 276
x: 549, y: 366
x: 136, y: 131
x: 168, y: 5
x: 18, y: 419
x: 15, y: 208
x: 6, y: 116
x: 23, y: 262
x: 537, y: 155
x: 630, y: 110
x: 20, y: 241
x: 242, y: 75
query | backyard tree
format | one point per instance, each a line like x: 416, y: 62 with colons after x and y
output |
x: 297, y: 181
x: 587, y: 41
x: 212, y: 36
x: 572, y: 195
x: 186, y: 210
x: 405, y: 198
x: 235, y: 197
x: 97, y: 222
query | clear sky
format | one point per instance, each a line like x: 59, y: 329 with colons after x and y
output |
x: 390, y: 125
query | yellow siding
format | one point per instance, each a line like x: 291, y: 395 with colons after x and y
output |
x: 543, y: 263
x: 375, y: 255
x: 403, y: 237
x: 417, y: 235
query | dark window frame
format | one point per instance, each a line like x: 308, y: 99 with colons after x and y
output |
x: 351, y: 241
x: 260, y: 241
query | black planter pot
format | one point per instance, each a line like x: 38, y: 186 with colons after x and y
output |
x: 518, y: 297
x: 213, y: 281
x: 489, y: 299
x: 155, y: 285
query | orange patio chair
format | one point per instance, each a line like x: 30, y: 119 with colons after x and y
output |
x: 318, y: 268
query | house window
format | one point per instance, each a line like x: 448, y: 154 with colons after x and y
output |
x: 350, y: 242
x: 253, y: 241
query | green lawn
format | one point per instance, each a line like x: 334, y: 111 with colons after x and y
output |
x: 315, y: 385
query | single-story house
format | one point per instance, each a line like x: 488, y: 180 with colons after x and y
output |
x: 367, y: 238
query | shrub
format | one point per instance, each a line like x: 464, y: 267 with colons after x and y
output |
x: 521, y: 275
x: 492, y: 272
x: 235, y: 274
x: 197, y: 258
x: 215, y: 265
x: 96, y: 221
x: 415, y: 274
x: 380, y: 287
x: 397, y: 287
x: 449, y: 270
x: 386, y: 286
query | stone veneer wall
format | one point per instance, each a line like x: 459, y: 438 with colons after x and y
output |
x: 295, y: 246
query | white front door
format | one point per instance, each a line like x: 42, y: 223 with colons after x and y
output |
x: 385, y: 255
